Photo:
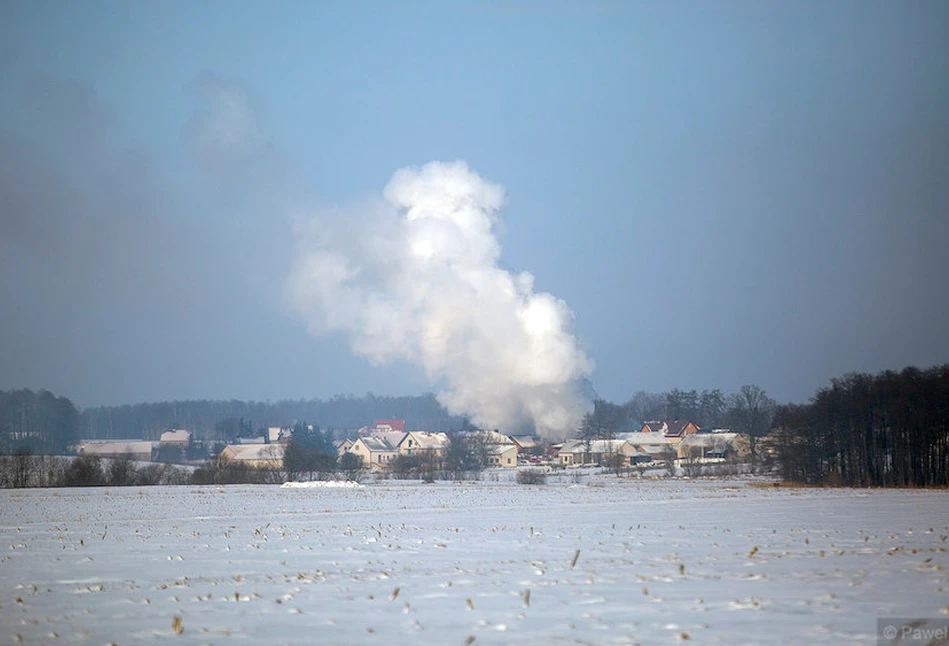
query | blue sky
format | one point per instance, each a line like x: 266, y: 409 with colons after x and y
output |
x: 723, y: 193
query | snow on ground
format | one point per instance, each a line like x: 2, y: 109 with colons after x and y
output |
x: 605, y: 561
x: 316, y: 484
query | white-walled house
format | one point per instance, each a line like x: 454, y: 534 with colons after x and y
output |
x: 392, y: 437
x: 710, y: 446
x: 139, y: 450
x: 503, y: 455
x: 424, y: 443
x: 268, y: 456
x: 342, y: 446
x: 576, y: 452
x: 277, y: 434
x: 527, y: 445
x: 375, y: 452
x: 653, y: 443
x: 492, y: 448
x: 176, y: 436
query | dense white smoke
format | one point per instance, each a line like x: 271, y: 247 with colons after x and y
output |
x: 416, y: 276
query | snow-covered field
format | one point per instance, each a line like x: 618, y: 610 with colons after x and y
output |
x: 600, y: 562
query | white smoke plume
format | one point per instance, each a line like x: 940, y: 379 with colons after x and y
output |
x: 415, y: 276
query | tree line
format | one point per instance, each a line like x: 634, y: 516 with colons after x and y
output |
x: 888, y: 429
x: 38, y: 422
x: 224, y: 420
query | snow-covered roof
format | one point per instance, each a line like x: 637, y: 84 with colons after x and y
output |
x: 646, y: 439
x: 277, y: 433
x: 708, y: 439
x: 114, y: 447
x: 596, y: 446
x: 373, y: 443
x: 524, y: 441
x: 492, y: 437
x: 426, y: 440
x: 392, y: 437
x: 390, y: 425
x: 178, y: 435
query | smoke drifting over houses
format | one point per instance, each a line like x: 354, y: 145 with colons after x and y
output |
x: 411, y: 275
x: 415, y: 276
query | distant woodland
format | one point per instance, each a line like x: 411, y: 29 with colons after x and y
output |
x: 37, y: 421
x: 888, y: 429
x: 221, y: 421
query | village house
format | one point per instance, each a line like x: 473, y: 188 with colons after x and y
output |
x: 492, y: 449
x: 503, y: 455
x: 268, y: 456
x: 527, y: 445
x: 392, y: 437
x: 424, y: 443
x: 710, y: 446
x: 342, y: 446
x: 139, y: 450
x: 383, y: 425
x: 279, y: 434
x: 673, y: 429
x: 651, y: 445
x: 577, y: 452
x: 571, y: 452
x: 179, y: 436
x: 555, y: 451
x: 375, y: 452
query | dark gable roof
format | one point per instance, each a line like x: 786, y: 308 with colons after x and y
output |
x: 677, y: 427
x: 671, y: 427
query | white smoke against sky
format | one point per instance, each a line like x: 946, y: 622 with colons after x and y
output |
x: 415, y: 276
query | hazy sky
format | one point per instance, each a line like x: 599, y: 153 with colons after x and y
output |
x: 723, y: 193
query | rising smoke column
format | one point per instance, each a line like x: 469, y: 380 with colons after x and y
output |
x: 416, y: 276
